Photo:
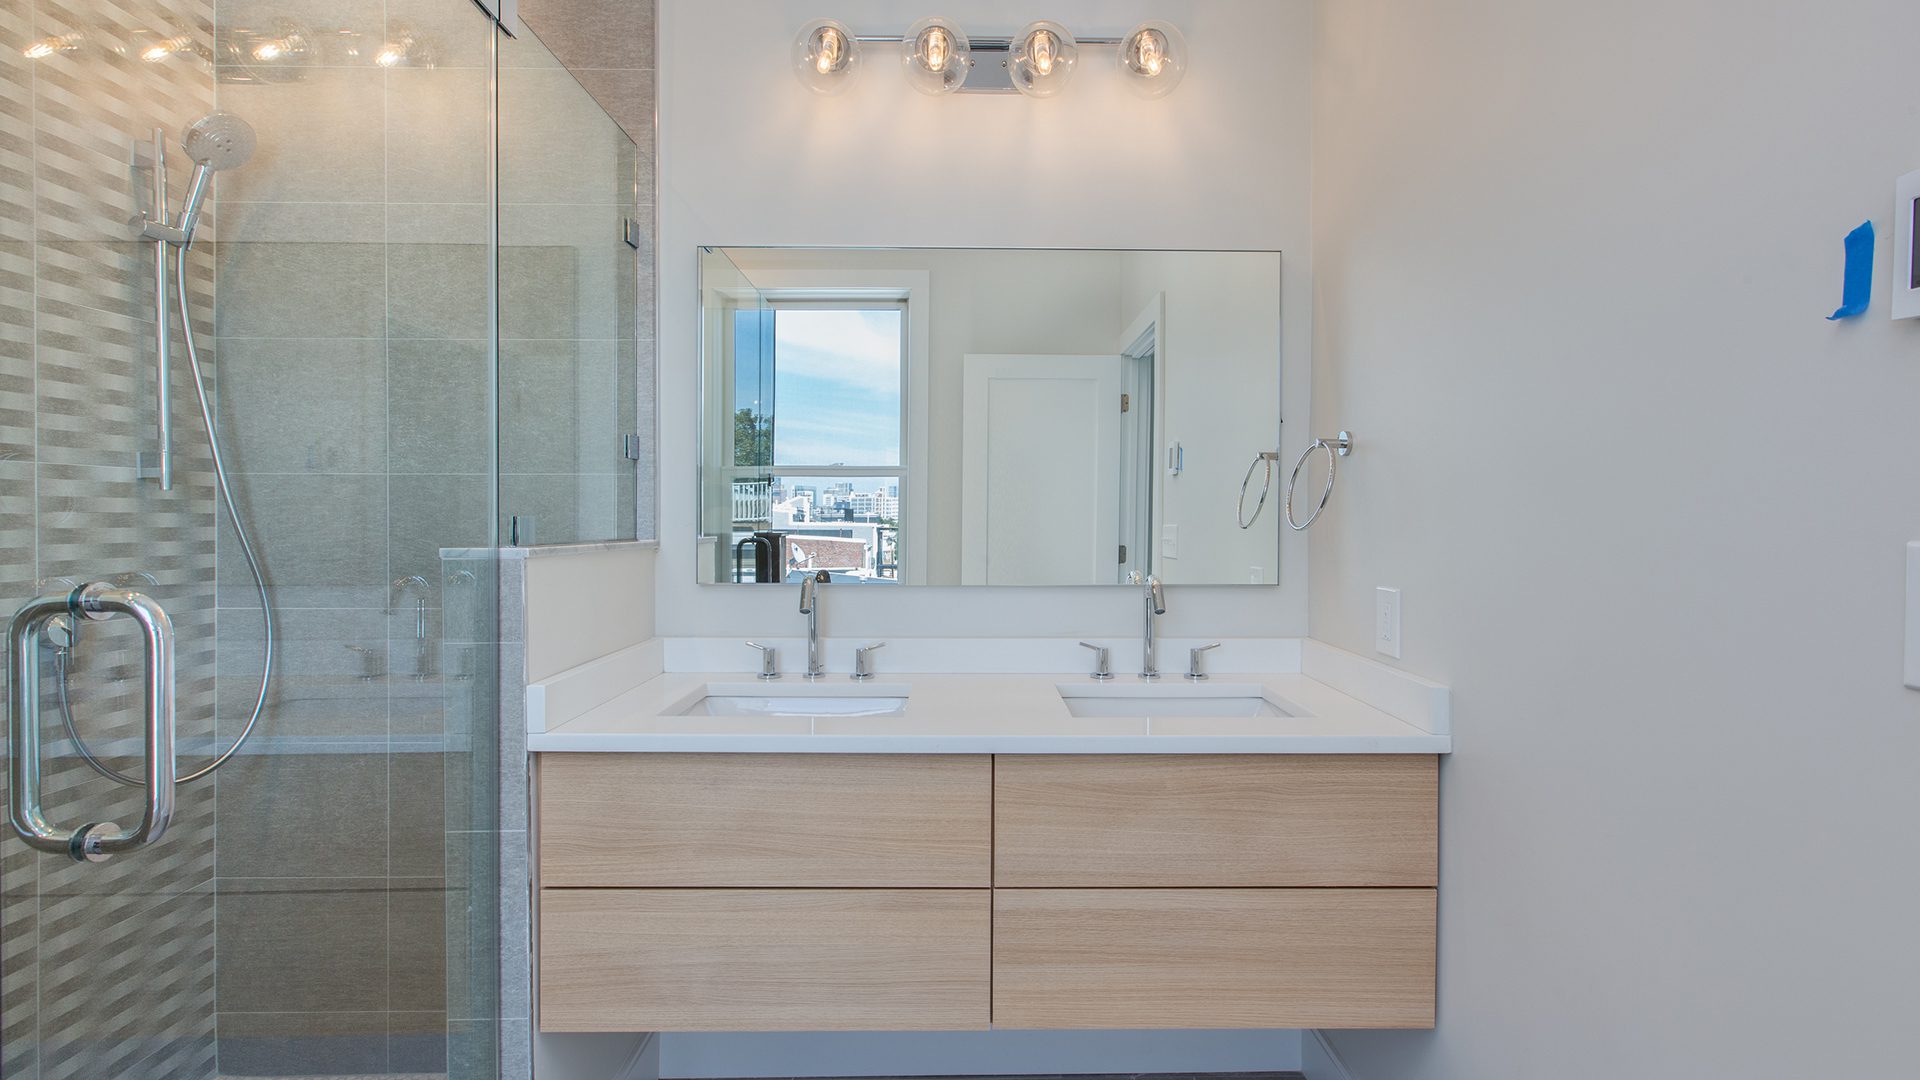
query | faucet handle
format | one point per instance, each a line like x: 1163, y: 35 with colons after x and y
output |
x: 1193, y: 661
x: 769, y: 660
x: 1102, y: 668
x: 862, y: 669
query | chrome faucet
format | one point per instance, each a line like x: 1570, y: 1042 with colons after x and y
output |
x: 419, y: 586
x: 810, y: 607
x: 1156, y: 604
x: 863, y: 662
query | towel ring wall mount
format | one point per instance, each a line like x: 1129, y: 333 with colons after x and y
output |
x: 1339, y: 446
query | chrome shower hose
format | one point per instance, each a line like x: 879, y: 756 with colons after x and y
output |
x: 61, y: 666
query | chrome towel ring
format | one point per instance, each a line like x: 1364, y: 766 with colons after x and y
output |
x: 1264, y: 457
x: 1337, y: 447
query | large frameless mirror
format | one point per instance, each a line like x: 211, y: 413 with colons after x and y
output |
x: 919, y: 416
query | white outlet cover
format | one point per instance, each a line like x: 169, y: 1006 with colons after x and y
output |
x: 1906, y: 256
x: 1386, y: 622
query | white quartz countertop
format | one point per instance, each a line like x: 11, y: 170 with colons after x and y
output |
x: 987, y: 714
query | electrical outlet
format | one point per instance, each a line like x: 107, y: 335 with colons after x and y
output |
x: 1386, y: 621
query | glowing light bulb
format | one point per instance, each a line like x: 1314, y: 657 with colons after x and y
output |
x: 269, y: 50
x: 159, y: 51
x: 937, y: 56
x: 48, y: 46
x: 1043, y: 52
x: 830, y: 46
x: 1042, y: 59
x: 824, y: 56
x: 1152, y: 53
x: 1153, y: 57
x: 387, y: 57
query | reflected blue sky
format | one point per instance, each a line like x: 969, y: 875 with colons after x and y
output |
x: 835, y: 380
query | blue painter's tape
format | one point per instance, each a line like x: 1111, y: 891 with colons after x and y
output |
x: 1859, y: 285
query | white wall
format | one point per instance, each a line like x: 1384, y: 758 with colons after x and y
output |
x: 1648, y: 510
x: 747, y: 156
x: 586, y: 601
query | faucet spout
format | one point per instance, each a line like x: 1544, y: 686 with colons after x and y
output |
x: 1156, y: 605
x: 810, y: 607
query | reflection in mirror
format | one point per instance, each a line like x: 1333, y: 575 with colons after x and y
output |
x: 987, y: 417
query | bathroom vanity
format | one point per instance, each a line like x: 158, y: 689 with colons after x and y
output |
x: 1016, y: 851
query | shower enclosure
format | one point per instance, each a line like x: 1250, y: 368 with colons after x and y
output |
x: 412, y: 309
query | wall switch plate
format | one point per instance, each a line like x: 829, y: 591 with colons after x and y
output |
x: 1169, y: 541
x: 1906, y: 254
x: 1386, y: 621
x: 1913, y: 615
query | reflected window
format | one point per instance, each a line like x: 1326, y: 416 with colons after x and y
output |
x: 818, y: 388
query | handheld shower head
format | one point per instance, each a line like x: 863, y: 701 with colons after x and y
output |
x: 216, y: 141
x: 219, y: 140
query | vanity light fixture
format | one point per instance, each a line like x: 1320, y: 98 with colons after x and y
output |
x: 940, y: 58
x: 824, y: 56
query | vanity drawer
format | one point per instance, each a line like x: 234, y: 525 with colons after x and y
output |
x: 764, y: 960
x: 1064, y: 821
x: 765, y: 820
x: 1213, y: 958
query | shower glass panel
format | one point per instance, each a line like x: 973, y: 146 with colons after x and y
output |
x: 326, y: 904
x: 570, y: 248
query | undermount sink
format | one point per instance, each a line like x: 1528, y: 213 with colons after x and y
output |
x: 753, y: 700
x: 1169, y: 701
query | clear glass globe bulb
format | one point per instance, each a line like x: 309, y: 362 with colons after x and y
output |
x: 1153, y: 57
x: 937, y: 55
x: 1042, y: 59
x: 824, y: 56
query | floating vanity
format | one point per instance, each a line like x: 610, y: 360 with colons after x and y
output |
x: 952, y: 852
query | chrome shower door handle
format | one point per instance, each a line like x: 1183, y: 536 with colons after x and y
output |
x: 94, y: 841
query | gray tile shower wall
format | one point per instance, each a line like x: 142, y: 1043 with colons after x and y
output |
x: 76, y: 383
x: 607, y: 49
x: 354, y: 262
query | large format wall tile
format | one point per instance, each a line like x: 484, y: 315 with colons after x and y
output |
x: 313, y: 814
x: 303, y: 945
x: 304, y: 405
x: 323, y: 137
x: 321, y: 538
x: 439, y: 419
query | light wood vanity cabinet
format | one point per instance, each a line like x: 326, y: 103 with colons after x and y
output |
x: 785, y: 892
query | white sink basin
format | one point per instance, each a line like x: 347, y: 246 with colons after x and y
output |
x: 756, y: 700
x: 1172, y: 700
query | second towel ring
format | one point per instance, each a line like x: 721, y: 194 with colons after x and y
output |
x: 1337, y: 447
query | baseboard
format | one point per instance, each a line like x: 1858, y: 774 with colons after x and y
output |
x: 999, y: 1052
x: 1318, y: 1061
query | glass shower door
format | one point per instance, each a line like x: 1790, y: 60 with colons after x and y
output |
x: 325, y: 904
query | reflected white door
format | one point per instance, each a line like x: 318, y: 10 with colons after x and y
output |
x: 1040, y: 481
